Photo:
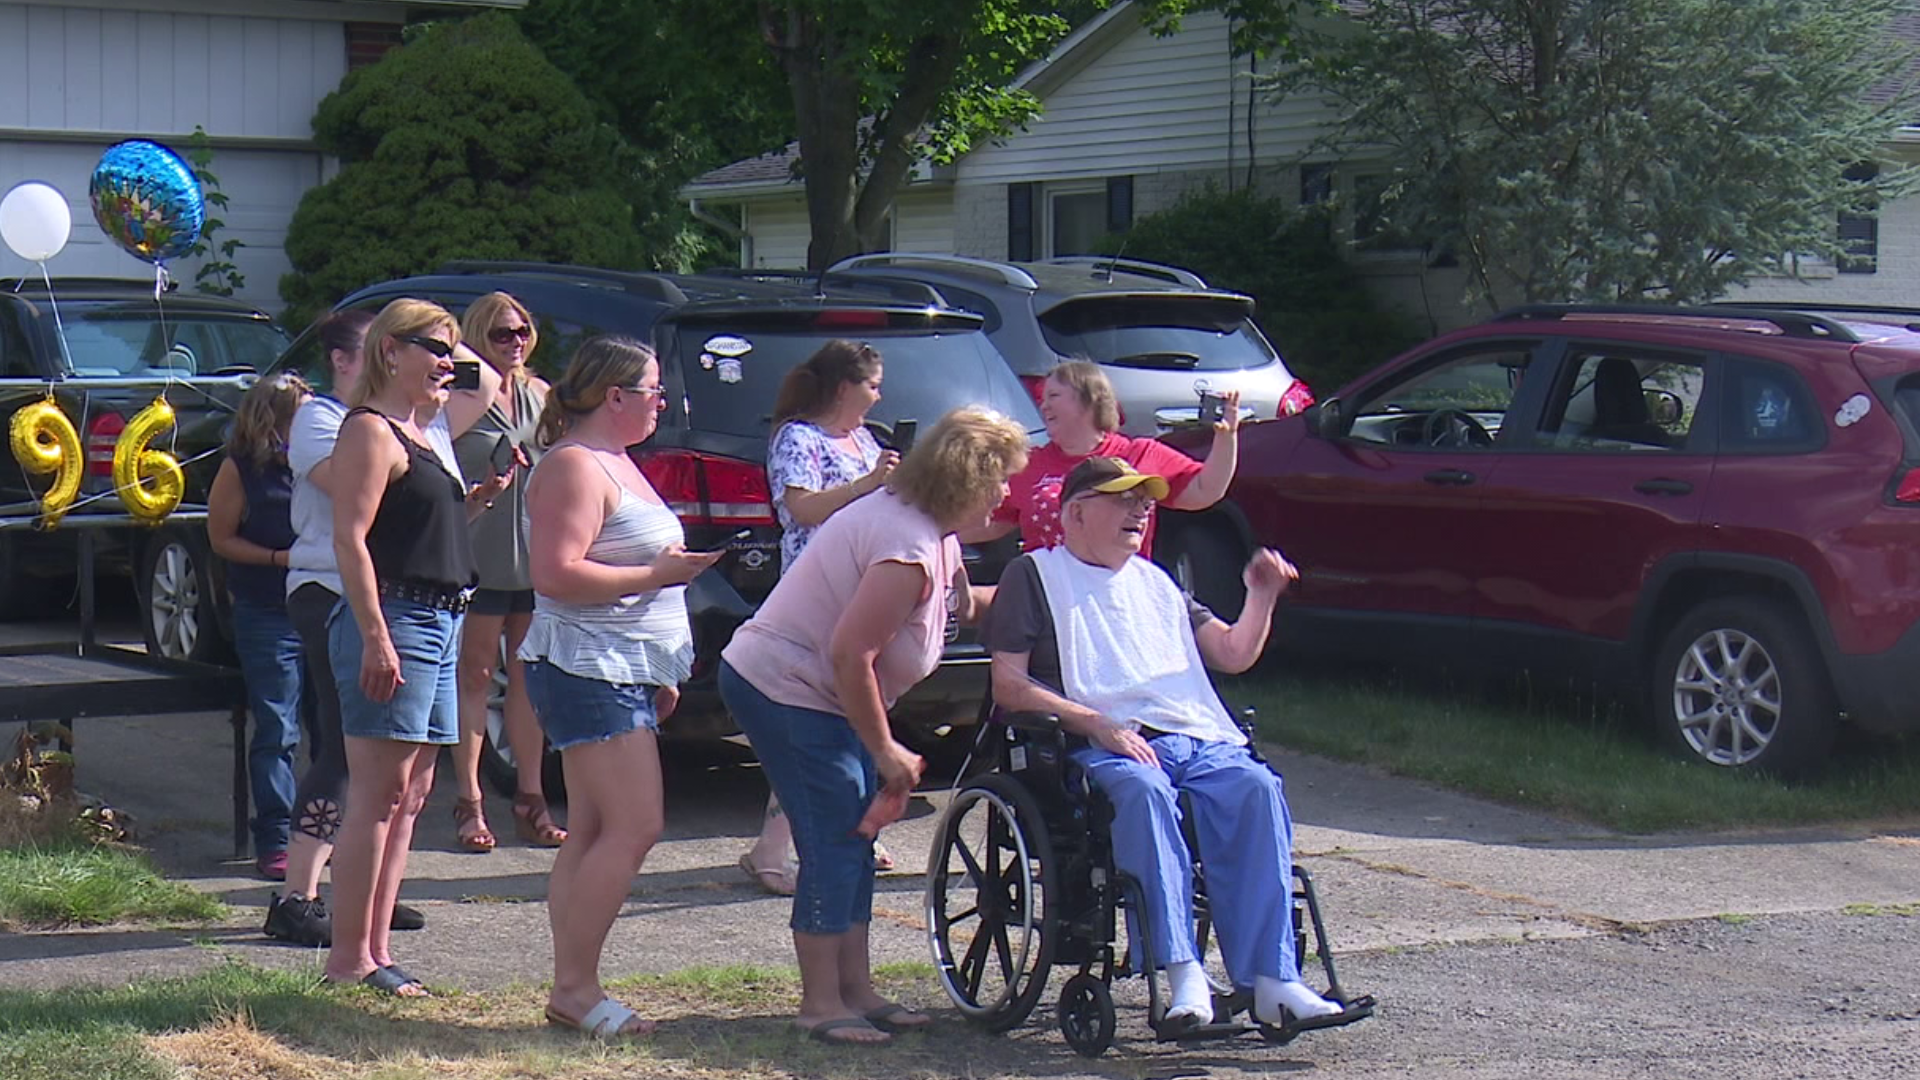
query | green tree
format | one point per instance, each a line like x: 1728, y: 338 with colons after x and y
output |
x: 467, y: 143
x: 1312, y: 302
x: 1610, y: 150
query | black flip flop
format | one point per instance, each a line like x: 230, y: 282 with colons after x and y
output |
x: 887, y: 1018
x: 823, y: 1032
x: 391, y: 980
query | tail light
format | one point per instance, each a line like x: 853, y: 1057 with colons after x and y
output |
x: 1036, y: 386
x: 1908, y: 490
x: 707, y: 489
x: 102, y: 433
x: 1296, y: 399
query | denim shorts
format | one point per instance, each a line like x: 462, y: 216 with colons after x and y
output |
x: 501, y: 602
x: 576, y: 711
x: 425, y: 706
x: 825, y: 778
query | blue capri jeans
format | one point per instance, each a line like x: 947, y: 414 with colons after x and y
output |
x: 825, y: 778
x: 425, y: 707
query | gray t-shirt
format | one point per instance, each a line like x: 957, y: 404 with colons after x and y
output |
x: 316, y: 427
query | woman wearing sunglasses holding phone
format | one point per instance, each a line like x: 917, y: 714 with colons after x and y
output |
x: 406, y: 565
x: 501, y: 330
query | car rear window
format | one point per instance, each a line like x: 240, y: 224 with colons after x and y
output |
x: 1175, y: 333
x: 1906, y: 402
x: 105, y: 340
x: 924, y: 374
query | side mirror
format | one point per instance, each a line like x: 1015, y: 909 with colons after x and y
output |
x: 1664, y: 407
x: 1325, y: 420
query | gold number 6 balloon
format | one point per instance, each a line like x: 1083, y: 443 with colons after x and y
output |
x: 44, y: 442
x: 149, y: 481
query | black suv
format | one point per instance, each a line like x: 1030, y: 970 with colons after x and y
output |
x: 106, y: 352
x: 725, y: 342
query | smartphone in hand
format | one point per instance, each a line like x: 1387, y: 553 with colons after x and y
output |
x: 502, y: 456
x: 1213, y: 408
x: 466, y: 375
x: 903, y: 435
x: 739, y: 537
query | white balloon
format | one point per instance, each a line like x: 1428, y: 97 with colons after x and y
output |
x: 35, y: 221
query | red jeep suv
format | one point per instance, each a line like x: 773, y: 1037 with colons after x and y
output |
x: 1716, y: 508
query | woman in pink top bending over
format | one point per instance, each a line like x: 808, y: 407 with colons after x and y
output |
x: 859, y: 619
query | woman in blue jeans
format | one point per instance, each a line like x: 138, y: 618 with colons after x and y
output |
x: 250, y: 525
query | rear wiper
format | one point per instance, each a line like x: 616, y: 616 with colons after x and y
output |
x: 1171, y: 361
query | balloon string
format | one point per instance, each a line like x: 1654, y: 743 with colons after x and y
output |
x: 160, y: 281
x: 59, y: 327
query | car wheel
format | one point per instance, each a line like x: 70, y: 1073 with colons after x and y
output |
x: 1206, y: 560
x: 497, y: 762
x: 179, y: 620
x: 1738, y: 683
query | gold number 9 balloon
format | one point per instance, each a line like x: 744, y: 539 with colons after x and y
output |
x: 44, y: 442
x: 149, y: 481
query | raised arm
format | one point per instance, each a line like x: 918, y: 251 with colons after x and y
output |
x: 464, y: 408
x: 1216, y: 473
x: 1235, y: 647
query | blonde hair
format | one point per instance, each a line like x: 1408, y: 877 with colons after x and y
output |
x: 960, y: 464
x: 601, y: 363
x: 266, y: 413
x: 482, y: 314
x: 1085, y: 378
x: 405, y: 317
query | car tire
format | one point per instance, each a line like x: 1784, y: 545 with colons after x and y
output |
x: 1739, y: 683
x: 497, y: 762
x: 1205, y: 559
x: 180, y: 619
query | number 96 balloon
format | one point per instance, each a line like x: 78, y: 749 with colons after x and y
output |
x: 145, y: 197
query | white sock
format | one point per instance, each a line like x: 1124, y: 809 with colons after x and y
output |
x: 1191, y: 995
x: 1270, y: 995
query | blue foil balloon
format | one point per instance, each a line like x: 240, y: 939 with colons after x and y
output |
x: 145, y: 197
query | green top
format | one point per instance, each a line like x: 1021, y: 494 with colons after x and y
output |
x: 500, y: 534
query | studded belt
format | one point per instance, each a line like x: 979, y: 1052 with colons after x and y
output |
x: 433, y: 596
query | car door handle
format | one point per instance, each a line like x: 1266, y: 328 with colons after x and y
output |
x: 1456, y: 477
x: 1663, y: 486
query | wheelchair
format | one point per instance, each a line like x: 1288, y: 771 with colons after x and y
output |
x: 1021, y: 879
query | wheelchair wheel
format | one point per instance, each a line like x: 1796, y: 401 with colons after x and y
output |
x: 1086, y: 1015
x: 988, y: 881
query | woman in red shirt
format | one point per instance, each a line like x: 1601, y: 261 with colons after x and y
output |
x: 1083, y: 421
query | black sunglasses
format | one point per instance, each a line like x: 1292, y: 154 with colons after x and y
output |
x: 438, y: 348
x: 500, y: 335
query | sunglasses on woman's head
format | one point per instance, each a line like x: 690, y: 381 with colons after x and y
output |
x: 501, y: 335
x: 438, y: 348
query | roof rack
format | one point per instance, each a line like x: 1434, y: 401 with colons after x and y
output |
x: 1909, y: 316
x: 1175, y: 274
x: 1797, y: 324
x: 15, y: 284
x: 1008, y: 275
x: 654, y: 286
x: 918, y: 292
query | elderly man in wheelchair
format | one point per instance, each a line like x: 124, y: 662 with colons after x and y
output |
x: 1103, y: 640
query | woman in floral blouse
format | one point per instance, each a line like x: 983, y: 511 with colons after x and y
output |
x: 822, y: 458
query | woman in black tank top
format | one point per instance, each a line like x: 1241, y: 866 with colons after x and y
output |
x: 401, y: 538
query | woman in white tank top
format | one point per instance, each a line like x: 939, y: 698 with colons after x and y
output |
x: 607, y: 649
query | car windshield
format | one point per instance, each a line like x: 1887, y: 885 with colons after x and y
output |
x: 1176, y: 333
x: 924, y: 375
x: 109, y: 339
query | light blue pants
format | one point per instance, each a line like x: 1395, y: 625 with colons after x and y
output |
x: 1246, y: 844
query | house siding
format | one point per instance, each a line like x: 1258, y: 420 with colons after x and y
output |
x: 924, y: 222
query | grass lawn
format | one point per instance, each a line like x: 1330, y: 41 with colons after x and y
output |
x: 61, y: 882
x: 239, y: 1021
x: 1562, y: 752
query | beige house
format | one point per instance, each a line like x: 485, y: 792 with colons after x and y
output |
x: 77, y: 76
x: 1131, y: 121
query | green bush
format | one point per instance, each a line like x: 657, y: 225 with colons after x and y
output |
x: 467, y: 143
x: 1314, y: 305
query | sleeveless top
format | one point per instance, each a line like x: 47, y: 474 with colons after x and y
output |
x: 268, y: 521
x: 500, y: 534
x: 419, y: 534
x: 640, y: 638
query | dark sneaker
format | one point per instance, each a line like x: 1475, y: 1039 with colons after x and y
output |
x: 407, y: 918
x: 300, y: 922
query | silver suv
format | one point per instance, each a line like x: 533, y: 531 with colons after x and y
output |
x: 1162, y: 334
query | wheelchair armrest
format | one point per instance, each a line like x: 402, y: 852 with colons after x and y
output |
x: 1038, y: 722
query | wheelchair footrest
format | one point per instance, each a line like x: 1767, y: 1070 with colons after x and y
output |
x: 1200, y: 1032
x: 1358, y: 1009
